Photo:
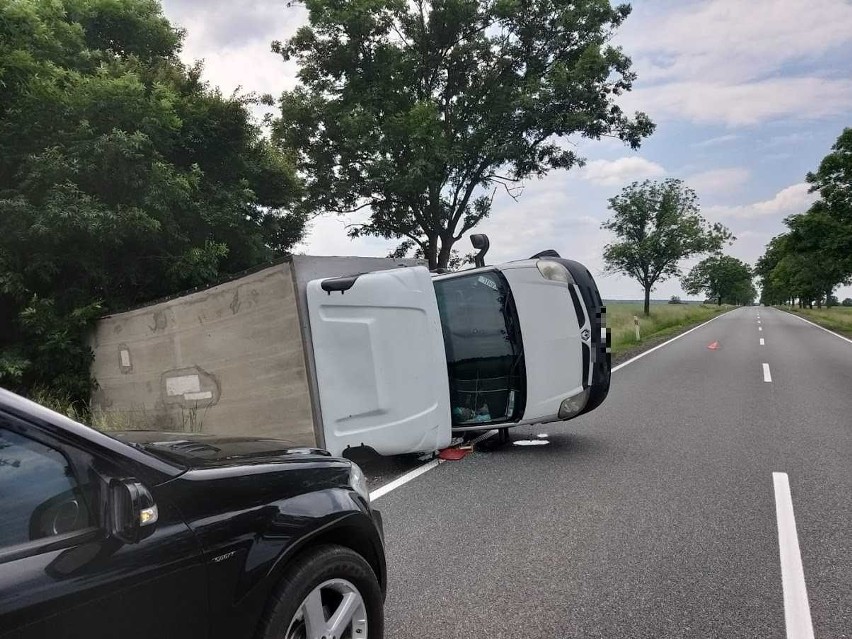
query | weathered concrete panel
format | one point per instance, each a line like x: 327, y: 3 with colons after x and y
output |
x: 226, y: 360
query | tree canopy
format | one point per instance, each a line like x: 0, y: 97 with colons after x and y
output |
x: 656, y: 225
x: 422, y: 111
x: 123, y: 178
x: 815, y: 255
x: 722, y: 278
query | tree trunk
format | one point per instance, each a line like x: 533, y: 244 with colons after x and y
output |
x: 647, y: 301
x: 828, y: 298
x: 445, y: 253
x: 431, y: 253
x: 719, y: 302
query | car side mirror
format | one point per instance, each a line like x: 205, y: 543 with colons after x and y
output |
x: 133, y: 512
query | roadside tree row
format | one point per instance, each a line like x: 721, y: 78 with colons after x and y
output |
x: 807, y: 263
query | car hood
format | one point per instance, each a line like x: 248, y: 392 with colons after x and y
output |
x: 198, y: 450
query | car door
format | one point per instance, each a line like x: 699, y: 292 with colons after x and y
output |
x: 62, y: 574
x: 380, y: 362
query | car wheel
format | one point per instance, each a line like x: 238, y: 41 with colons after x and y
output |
x: 330, y: 593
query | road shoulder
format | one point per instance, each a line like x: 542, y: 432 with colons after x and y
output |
x: 660, y: 338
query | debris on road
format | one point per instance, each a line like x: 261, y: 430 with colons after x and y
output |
x: 455, y: 454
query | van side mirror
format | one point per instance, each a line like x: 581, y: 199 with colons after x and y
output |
x: 133, y: 513
x: 481, y: 243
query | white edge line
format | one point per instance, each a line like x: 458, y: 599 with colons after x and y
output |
x: 822, y: 328
x: 797, y: 612
x: 767, y: 376
x: 414, y: 474
x: 404, y: 479
x: 667, y: 342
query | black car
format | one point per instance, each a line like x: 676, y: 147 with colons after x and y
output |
x: 150, y: 534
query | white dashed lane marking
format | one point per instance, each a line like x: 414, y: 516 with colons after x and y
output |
x: 797, y: 611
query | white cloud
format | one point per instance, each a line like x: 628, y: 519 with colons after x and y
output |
x: 717, y: 141
x: 719, y: 179
x: 234, y: 40
x: 747, y: 103
x: 793, y: 199
x: 790, y: 139
x: 327, y: 236
x: 731, y: 61
x: 619, y: 172
x: 734, y: 40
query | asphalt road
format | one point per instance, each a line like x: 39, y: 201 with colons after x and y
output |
x: 654, y: 516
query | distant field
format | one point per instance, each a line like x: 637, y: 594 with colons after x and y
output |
x: 836, y: 318
x: 665, y: 319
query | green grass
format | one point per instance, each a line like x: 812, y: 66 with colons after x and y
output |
x: 665, y: 319
x: 836, y: 318
x: 82, y: 412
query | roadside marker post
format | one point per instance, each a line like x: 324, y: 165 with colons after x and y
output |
x: 636, y: 325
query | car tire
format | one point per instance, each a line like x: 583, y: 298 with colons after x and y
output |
x: 341, y: 569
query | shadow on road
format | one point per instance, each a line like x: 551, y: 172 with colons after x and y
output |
x: 524, y: 444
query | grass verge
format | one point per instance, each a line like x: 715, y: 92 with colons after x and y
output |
x: 666, y: 320
x: 81, y: 412
x: 190, y: 419
x: 836, y: 318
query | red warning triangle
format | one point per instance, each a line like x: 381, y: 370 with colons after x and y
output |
x: 713, y: 346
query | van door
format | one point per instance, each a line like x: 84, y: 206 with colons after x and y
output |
x: 380, y: 362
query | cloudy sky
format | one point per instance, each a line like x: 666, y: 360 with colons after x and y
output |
x: 748, y: 96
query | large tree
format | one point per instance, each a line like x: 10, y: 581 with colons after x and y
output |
x: 420, y: 111
x: 722, y: 278
x: 775, y: 287
x: 657, y: 224
x: 815, y: 255
x: 833, y: 181
x: 822, y: 243
x: 123, y: 178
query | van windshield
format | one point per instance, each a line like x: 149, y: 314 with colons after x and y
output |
x: 483, y: 346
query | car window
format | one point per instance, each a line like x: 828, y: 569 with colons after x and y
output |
x: 38, y: 490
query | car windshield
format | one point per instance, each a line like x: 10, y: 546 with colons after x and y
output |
x: 483, y: 349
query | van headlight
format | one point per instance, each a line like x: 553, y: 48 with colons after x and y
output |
x: 554, y: 271
x: 358, y: 482
x: 572, y: 406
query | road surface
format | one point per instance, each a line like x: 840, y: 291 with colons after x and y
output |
x: 655, y: 515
